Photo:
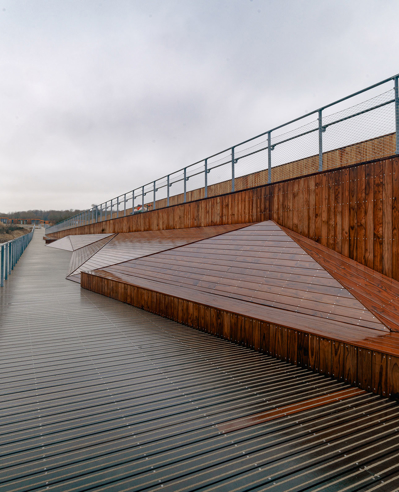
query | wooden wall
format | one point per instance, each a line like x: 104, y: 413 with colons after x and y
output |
x: 352, y: 210
x: 362, y: 366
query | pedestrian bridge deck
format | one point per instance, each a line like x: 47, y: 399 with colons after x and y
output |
x: 99, y: 395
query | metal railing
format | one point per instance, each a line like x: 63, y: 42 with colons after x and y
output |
x: 11, y: 252
x: 320, y: 131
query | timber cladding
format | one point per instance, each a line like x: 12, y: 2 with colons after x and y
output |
x: 353, y: 210
x: 360, y: 365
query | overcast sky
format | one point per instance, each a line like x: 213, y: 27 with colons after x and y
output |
x: 98, y: 97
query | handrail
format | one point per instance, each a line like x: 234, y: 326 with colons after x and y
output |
x: 229, y: 156
x: 11, y: 252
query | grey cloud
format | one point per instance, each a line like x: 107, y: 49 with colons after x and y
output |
x: 98, y: 97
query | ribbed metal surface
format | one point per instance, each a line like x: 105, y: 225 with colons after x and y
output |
x: 98, y: 395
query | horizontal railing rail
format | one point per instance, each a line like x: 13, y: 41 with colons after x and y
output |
x: 11, y: 252
x: 375, y: 117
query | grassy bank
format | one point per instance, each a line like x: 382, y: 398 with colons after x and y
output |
x: 9, y: 232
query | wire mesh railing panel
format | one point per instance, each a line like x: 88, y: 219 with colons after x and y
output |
x: 252, y: 170
x: 358, y: 130
x: 195, y: 182
x: 147, y: 197
x: 363, y: 126
x: 161, y: 187
x: 292, y: 157
x: 219, y: 171
x: 176, y: 187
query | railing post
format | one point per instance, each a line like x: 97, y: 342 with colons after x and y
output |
x: 142, y: 198
x: 101, y: 212
x: 185, y: 186
x: 320, y: 141
x: 124, y: 205
x: 2, y: 266
x: 155, y: 191
x: 206, y: 178
x: 167, y: 192
x: 117, y: 207
x: 269, y: 157
x: 6, y: 262
x: 397, y: 112
x: 111, y: 214
x: 232, y: 170
x: 133, y: 202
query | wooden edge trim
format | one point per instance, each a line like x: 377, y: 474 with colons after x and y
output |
x: 285, y: 411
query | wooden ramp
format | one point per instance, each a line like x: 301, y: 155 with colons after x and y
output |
x: 269, y: 289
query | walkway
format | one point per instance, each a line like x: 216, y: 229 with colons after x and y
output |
x: 99, y: 395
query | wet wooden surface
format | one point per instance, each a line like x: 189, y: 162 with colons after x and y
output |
x: 258, y: 265
x: 377, y: 292
x: 127, y: 246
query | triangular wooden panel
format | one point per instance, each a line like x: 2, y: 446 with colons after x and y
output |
x: 258, y: 271
x: 81, y: 255
x: 82, y: 240
x: 63, y: 243
x: 378, y: 293
x: 72, y: 243
x: 127, y: 246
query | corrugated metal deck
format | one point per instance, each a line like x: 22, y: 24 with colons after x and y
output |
x: 98, y: 395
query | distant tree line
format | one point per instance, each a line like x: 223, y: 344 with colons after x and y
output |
x: 51, y: 215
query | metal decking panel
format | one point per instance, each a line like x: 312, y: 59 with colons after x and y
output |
x: 98, y: 395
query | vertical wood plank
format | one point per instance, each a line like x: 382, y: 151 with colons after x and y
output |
x: 387, y: 219
x: 393, y: 377
x: 272, y: 340
x: 292, y: 346
x: 226, y: 325
x: 325, y: 356
x: 337, y: 360
x: 201, y: 317
x: 314, y: 352
x: 281, y: 342
x: 256, y: 334
x: 395, y: 219
x: 369, y: 211
x: 379, y: 373
x: 345, y: 212
x: 324, y: 209
x: 312, y: 208
x: 361, y: 214
x: 331, y: 211
x: 364, y: 369
x: 318, y: 205
x: 350, y: 364
x: 353, y: 213
x: 378, y: 217
x: 303, y: 349
x: 338, y: 212
x: 248, y: 332
x: 265, y: 337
